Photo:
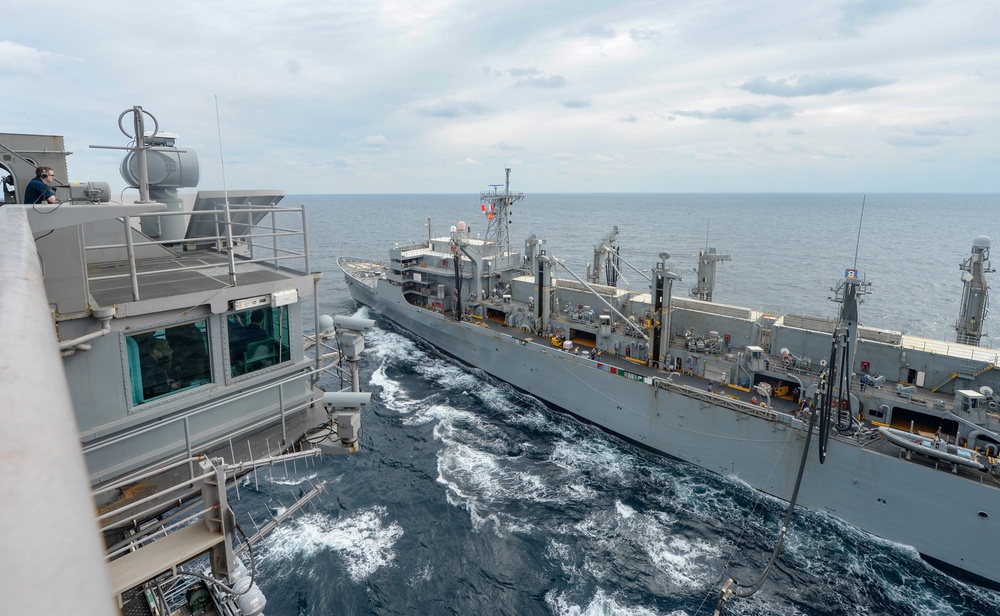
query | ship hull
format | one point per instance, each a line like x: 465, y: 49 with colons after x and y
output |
x: 880, y: 494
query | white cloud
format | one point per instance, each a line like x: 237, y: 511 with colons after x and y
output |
x: 403, y: 96
x: 810, y: 85
x: 18, y: 58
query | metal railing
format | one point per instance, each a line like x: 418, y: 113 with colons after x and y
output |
x: 190, y: 442
x: 951, y: 349
x: 278, y: 244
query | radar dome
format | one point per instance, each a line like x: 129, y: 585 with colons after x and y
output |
x: 461, y: 225
x: 983, y: 241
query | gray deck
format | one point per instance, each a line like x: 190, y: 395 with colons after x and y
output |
x: 185, y: 272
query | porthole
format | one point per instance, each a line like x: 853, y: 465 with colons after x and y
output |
x: 984, y: 515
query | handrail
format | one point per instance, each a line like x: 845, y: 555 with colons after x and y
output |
x: 283, y: 411
x: 43, y: 489
x: 264, y: 248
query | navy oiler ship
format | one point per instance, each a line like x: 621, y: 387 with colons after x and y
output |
x: 892, y: 433
x: 155, y: 352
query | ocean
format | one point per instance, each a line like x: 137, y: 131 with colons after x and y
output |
x: 469, y: 497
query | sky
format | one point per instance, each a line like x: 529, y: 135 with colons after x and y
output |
x: 439, y: 96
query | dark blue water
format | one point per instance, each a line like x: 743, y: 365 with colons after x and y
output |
x: 468, y: 497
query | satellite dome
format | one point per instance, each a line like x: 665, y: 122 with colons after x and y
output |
x: 461, y: 225
x: 983, y: 241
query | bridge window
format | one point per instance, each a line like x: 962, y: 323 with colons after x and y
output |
x: 165, y: 361
x: 258, y: 339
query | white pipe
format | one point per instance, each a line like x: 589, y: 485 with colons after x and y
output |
x: 77, y: 342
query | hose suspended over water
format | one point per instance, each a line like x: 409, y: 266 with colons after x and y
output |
x: 823, y: 398
x: 732, y: 588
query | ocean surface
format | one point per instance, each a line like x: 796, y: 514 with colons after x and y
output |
x: 469, y: 497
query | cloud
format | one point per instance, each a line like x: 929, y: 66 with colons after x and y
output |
x: 810, y: 85
x: 509, y: 147
x: 576, y: 103
x: 554, y: 81
x: 469, y: 162
x: 642, y: 35
x: 601, y: 32
x: 911, y: 141
x: 942, y: 129
x: 17, y: 58
x: 531, y: 77
x: 524, y: 72
x: 604, y: 158
x: 923, y: 135
x: 742, y: 113
x: 450, y: 108
x: 375, y: 141
x: 629, y: 119
x: 858, y: 14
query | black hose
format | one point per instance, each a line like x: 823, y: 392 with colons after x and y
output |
x: 753, y: 588
x: 844, y: 384
x: 458, y: 290
x: 824, y: 408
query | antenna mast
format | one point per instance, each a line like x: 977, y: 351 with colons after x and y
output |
x: 496, y: 207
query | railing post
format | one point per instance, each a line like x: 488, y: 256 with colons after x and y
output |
x: 130, y: 251
x: 281, y: 406
x: 274, y: 236
x: 187, y: 443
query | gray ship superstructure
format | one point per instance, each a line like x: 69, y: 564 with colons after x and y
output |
x: 158, y: 351
x: 730, y: 389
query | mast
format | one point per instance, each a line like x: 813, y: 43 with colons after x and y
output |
x: 705, y: 286
x: 606, y: 253
x: 835, y: 385
x: 975, y: 292
x: 662, y: 283
x: 496, y: 207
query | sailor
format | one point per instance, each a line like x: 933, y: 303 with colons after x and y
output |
x: 767, y: 364
x: 710, y: 387
x: 241, y: 337
x: 38, y: 190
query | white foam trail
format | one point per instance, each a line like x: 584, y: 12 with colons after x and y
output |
x: 856, y: 560
x: 600, y: 605
x: 292, y: 481
x: 422, y: 575
x: 593, y: 456
x: 681, y: 561
x: 364, y: 541
x: 391, y: 394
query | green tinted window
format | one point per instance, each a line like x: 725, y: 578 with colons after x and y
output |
x: 258, y: 338
x: 168, y: 360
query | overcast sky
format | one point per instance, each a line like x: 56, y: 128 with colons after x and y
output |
x: 430, y: 96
